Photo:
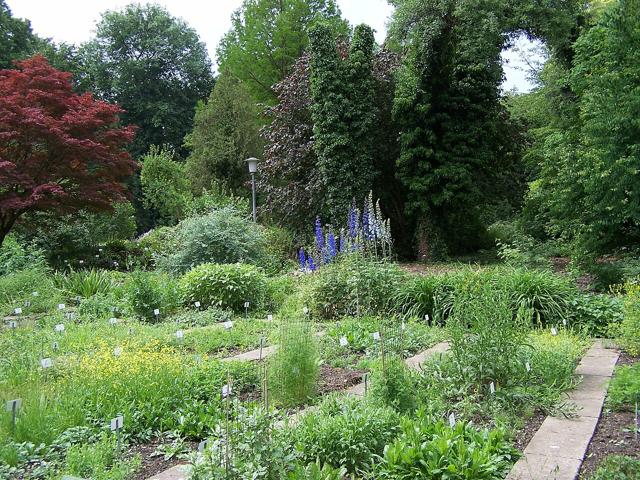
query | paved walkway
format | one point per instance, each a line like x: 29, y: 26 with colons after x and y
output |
x: 557, y: 449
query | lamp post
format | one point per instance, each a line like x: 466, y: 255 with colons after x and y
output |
x: 252, y: 163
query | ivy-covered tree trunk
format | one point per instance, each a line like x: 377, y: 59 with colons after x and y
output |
x: 343, y: 112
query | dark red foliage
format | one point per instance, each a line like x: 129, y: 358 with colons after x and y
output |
x: 58, y: 150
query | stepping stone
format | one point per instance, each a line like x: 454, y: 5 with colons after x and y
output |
x: 417, y: 360
x: 541, y: 467
x: 179, y: 472
x: 561, y: 437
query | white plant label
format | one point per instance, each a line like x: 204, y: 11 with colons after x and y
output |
x: 269, y: 318
x: 226, y: 391
x: 527, y: 366
x: 452, y: 420
x: 246, y: 304
x: 197, y: 304
x: 13, y: 324
x: 54, y: 346
x: 376, y: 336
x: 13, y: 405
x: 117, y: 352
x: 179, y: 334
x: 27, y: 303
x: 564, y: 322
x: 113, y: 321
x: 35, y: 294
x: 46, y: 363
x: 97, y: 256
x: 100, y: 250
x: 156, y: 312
x: 18, y: 311
x: 343, y: 341
x: 61, y: 306
x: 305, y: 310
x: 60, y: 327
x: 426, y: 317
x: 492, y: 388
x: 117, y: 423
x: 69, y: 315
x: 81, y: 262
x: 554, y: 332
x: 202, y: 446
x: 228, y: 324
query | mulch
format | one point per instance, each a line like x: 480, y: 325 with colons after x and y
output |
x: 524, y: 435
x: 614, y: 434
x: 333, y: 379
x: 152, y: 465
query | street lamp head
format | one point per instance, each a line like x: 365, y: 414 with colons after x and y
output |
x: 252, y: 163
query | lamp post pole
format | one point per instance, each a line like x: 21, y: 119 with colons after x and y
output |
x: 253, y: 194
x: 252, y: 163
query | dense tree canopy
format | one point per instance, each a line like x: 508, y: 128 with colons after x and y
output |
x: 58, y: 150
x: 16, y: 38
x: 267, y: 37
x: 154, y: 66
x: 224, y: 135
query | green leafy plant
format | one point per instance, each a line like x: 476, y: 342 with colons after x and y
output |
x: 630, y: 328
x: 427, y: 448
x: 222, y: 236
x: 354, y: 286
x: 345, y: 433
x: 144, y: 292
x: 17, y: 290
x: 617, y: 467
x: 624, y: 390
x: 99, y: 461
x: 596, y: 315
x: 294, y: 368
x: 84, y: 283
x: 15, y: 256
x: 317, y: 471
x: 224, y: 286
x: 392, y: 384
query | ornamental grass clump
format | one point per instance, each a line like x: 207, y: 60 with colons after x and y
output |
x: 294, y: 368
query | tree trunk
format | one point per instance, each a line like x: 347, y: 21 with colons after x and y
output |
x: 5, y: 227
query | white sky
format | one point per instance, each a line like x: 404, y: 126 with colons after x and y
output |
x: 73, y: 21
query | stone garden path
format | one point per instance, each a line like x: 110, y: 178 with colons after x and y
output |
x: 557, y: 449
x: 181, y: 472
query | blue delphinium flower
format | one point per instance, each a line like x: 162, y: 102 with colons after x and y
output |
x: 310, y: 264
x: 343, y: 243
x: 302, y: 259
x: 331, y: 246
x: 365, y: 222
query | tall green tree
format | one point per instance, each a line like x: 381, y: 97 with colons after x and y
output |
x: 267, y: 37
x: 589, y: 180
x: 343, y: 111
x: 17, y: 41
x: 225, y: 133
x: 451, y: 119
x: 152, y: 64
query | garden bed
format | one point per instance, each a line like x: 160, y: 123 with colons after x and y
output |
x: 614, y: 434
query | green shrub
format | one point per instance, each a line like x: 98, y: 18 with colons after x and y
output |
x: 606, y: 275
x: 84, y: 283
x: 355, y: 286
x: 630, y: 329
x: 222, y: 236
x: 201, y: 318
x: 427, y: 448
x: 14, y: 257
x: 624, y: 390
x: 294, y: 368
x: 316, y: 471
x: 99, y: 306
x: 393, y: 384
x: 99, y: 461
x: 596, y: 315
x: 278, y: 290
x: 157, y: 243
x: 345, y: 433
x: 254, y: 448
x: 224, y: 285
x: 617, y: 467
x: 143, y: 292
x: 16, y: 290
x: 416, y: 297
x: 486, y: 339
x: 279, y: 248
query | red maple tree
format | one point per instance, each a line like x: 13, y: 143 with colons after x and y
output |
x: 59, y: 150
